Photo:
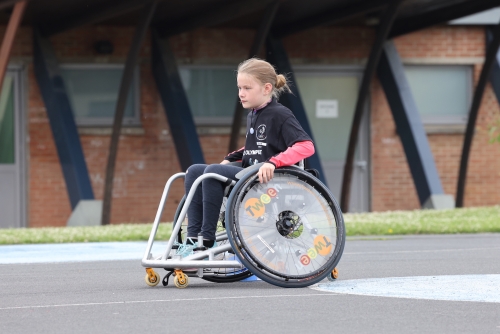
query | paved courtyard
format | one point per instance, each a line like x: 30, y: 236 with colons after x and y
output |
x: 411, y: 284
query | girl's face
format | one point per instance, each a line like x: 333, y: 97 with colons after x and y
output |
x: 252, y: 93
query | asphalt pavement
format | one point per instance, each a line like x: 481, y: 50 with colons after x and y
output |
x: 410, y: 284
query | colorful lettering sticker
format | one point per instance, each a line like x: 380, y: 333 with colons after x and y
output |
x: 322, y: 245
x: 272, y: 192
x: 312, y: 253
x: 305, y: 260
x: 255, y: 208
x: 280, y: 266
x: 265, y: 199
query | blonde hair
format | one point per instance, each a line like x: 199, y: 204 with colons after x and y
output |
x: 265, y: 73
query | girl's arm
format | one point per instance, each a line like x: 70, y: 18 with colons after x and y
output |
x: 298, y: 151
x: 235, y: 156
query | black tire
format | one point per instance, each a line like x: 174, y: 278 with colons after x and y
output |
x: 222, y: 275
x: 289, y: 232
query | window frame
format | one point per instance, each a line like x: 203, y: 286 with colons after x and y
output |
x: 133, y: 121
x: 211, y: 121
x: 447, y: 120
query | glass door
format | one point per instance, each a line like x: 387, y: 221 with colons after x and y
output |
x: 329, y: 98
x: 10, y: 158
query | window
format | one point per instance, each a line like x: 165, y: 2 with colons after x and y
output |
x: 442, y: 92
x: 211, y: 92
x: 7, y: 122
x: 93, y: 93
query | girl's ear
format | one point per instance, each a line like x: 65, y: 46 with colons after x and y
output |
x: 268, y: 88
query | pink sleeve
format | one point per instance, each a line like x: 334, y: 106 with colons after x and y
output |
x: 298, y: 151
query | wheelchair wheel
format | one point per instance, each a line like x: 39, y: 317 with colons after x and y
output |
x: 290, y: 231
x: 218, y: 275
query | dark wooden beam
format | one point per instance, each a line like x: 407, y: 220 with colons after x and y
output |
x: 126, y: 82
x: 7, y: 3
x: 491, y: 54
x: 411, y: 130
x: 276, y: 55
x: 175, y: 102
x: 329, y: 17
x: 10, y: 34
x: 427, y: 19
x: 87, y: 17
x: 386, y: 22
x: 62, y: 122
x: 258, y: 43
x: 216, y: 16
x: 495, y: 71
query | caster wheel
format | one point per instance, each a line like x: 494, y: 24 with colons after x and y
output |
x: 152, y: 278
x: 333, y: 275
x: 181, y: 280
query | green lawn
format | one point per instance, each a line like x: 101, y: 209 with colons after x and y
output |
x: 468, y: 220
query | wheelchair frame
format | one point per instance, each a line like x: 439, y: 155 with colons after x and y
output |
x: 191, y: 261
x: 174, y: 263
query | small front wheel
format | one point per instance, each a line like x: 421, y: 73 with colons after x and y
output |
x: 181, y: 280
x: 152, y: 278
x: 333, y: 275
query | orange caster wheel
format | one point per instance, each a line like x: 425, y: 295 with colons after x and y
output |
x: 333, y: 275
x: 181, y: 280
x: 152, y: 277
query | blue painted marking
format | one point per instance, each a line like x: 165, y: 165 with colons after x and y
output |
x: 471, y: 288
x: 81, y: 252
x: 76, y: 252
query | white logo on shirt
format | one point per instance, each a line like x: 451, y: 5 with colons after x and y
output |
x: 252, y: 152
x: 261, y: 132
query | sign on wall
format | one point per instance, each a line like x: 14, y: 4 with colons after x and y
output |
x: 327, y: 108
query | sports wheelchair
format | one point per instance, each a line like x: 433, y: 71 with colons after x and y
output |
x: 288, y: 232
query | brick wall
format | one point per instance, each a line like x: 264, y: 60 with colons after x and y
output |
x: 395, y: 190
x: 392, y: 187
x: 145, y: 161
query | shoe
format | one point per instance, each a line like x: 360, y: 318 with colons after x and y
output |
x: 187, y: 248
x: 217, y: 257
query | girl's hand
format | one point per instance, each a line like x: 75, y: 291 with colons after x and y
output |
x: 224, y: 162
x: 266, y: 172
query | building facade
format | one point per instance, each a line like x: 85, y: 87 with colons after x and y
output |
x: 442, y: 65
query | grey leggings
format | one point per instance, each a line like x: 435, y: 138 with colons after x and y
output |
x: 203, y: 212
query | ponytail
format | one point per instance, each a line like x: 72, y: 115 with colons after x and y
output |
x: 265, y: 73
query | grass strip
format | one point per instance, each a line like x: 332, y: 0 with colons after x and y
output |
x: 46, y: 235
x: 466, y: 220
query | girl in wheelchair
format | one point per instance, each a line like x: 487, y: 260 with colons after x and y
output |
x: 273, y: 136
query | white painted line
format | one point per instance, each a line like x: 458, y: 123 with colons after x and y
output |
x: 469, y: 288
x: 160, y: 301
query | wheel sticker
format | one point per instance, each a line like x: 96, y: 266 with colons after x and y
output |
x: 254, y: 207
x: 312, y: 253
x: 265, y: 199
x: 272, y: 192
x: 305, y: 260
x: 265, y: 243
x: 322, y: 245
